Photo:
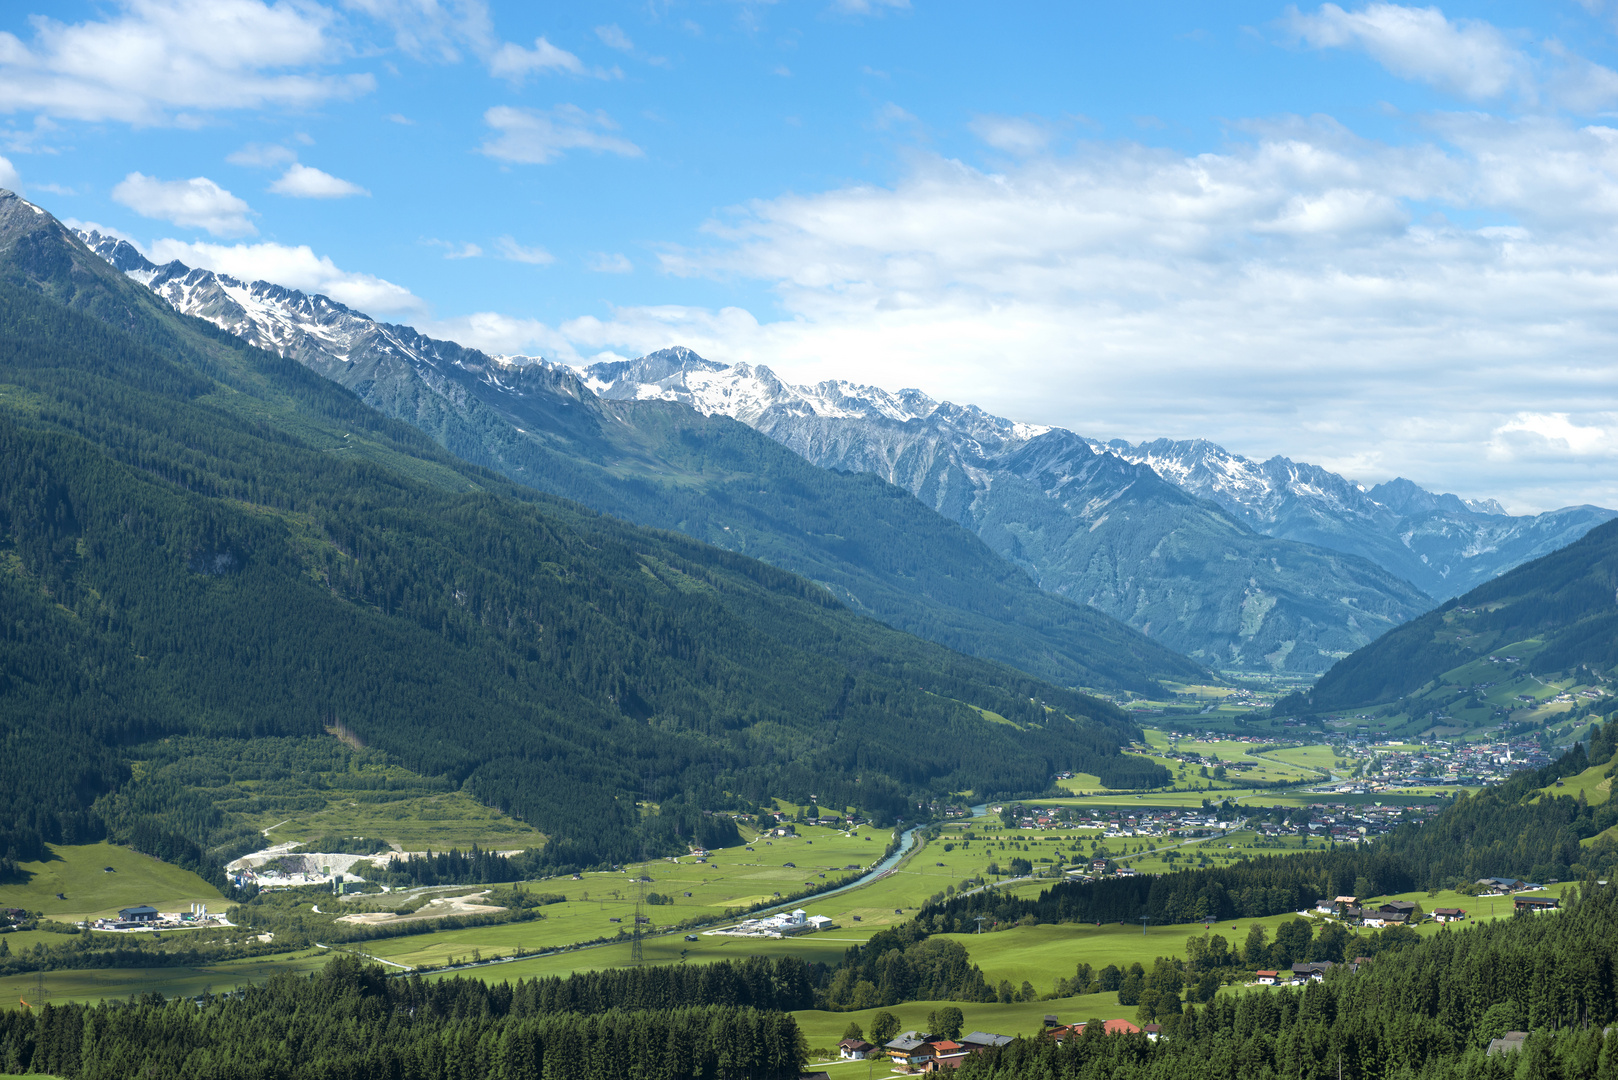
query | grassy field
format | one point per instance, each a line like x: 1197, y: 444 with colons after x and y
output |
x: 78, y: 873
x: 415, y: 823
x: 736, y: 876
x: 96, y: 984
x: 1594, y: 782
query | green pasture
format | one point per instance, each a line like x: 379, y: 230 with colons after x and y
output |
x: 1593, y: 782
x: 744, y: 877
x: 79, y: 873
x: 111, y: 983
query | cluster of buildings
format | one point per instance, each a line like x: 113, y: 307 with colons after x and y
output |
x: 1345, y: 824
x: 1304, y: 973
x: 146, y: 917
x: 783, y: 925
x: 917, y: 1051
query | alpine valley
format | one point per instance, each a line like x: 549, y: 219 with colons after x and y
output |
x: 1273, y: 566
x: 208, y: 551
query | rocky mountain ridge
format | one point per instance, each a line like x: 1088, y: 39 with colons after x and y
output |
x: 1278, y: 566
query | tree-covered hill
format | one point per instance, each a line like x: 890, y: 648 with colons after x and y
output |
x: 1555, y: 614
x: 201, y: 537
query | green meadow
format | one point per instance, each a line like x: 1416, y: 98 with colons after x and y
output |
x: 80, y: 873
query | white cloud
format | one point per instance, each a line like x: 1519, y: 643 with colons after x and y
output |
x: 260, y: 156
x: 1013, y: 134
x: 303, y: 182
x: 433, y: 29
x: 615, y: 263
x: 164, y: 61
x: 1416, y: 309
x: 533, y: 137
x: 515, y: 63
x: 296, y: 268
x: 1554, y: 435
x: 467, y: 250
x: 197, y: 203
x: 614, y: 38
x: 8, y: 174
x: 515, y: 252
x: 1466, y: 56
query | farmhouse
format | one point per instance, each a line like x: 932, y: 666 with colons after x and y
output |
x: 1535, y: 904
x: 1267, y: 978
x: 1449, y: 914
x: 854, y: 1049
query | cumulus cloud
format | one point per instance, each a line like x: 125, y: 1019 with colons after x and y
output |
x: 303, y: 182
x: 295, y: 267
x: 164, y: 61
x: 534, y: 137
x: 8, y: 174
x: 197, y: 203
x: 1416, y: 309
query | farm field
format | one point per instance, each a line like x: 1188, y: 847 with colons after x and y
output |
x: 78, y: 873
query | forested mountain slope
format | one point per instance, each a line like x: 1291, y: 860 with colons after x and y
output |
x: 1557, y: 613
x: 198, y: 536
x: 658, y: 463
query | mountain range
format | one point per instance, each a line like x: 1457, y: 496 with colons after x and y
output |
x: 661, y: 464
x: 1236, y: 564
x: 202, y: 539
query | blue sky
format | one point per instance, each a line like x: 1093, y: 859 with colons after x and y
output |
x: 1372, y: 236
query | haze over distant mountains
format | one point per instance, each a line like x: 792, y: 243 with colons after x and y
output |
x: 1238, y: 564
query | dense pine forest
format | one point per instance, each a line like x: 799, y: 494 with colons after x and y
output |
x: 200, y: 538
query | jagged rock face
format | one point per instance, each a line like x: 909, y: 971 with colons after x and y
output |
x: 1276, y: 565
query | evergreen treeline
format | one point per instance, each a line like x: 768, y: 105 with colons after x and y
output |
x: 902, y: 964
x: 1424, y: 1012
x: 758, y: 982
x: 456, y: 867
x: 353, y: 1021
x: 204, y: 539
